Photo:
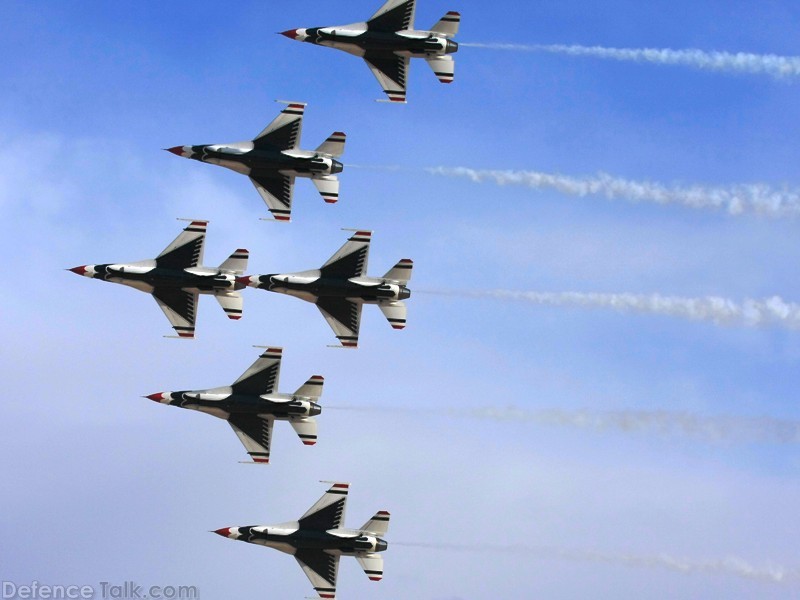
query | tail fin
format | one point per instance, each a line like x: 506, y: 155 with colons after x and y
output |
x: 377, y: 525
x: 372, y: 565
x: 334, y: 145
x: 395, y: 313
x: 236, y: 262
x: 401, y: 271
x: 311, y: 388
x: 231, y: 303
x: 448, y: 24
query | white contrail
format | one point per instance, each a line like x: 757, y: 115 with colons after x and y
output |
x: 726, y: 566
x: 779, y: 67
x: 756, y: 198
x: 720, y: 311
x: 714, y: 429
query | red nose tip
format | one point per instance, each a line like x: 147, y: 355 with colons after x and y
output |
x: 290, y: 33
x: 156, y: 397
x: 176, y: 150
x: 224, y: 532
x: 78, y: 270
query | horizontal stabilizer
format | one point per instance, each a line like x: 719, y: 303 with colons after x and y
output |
x: 443, y: 67
x: 395, y: 313
x: 401, y: 271
x: 447, y: 26
x: 236, y: 262
x: 311, y: 388
x: 328, y: 187
x: 377, y: 525
x: 231, y: 303
x: 334, y: 145
x: 306, y: 429
x: 372, y: 565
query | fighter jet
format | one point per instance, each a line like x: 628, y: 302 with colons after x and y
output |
x: 317, y: 540
x: 176, y: 277
x: 273, y: 159
x: 388, y: 40
x: 251, y: 404
x: 340, y: 287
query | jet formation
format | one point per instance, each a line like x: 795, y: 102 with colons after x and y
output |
x: 273, y: 159
x: 387, y: 41
x: 252, y: 404
x: 176, y: 278
x: 318, y: 539
x: 341, y: 287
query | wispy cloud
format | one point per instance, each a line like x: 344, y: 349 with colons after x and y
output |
x: 714, y: 309
x: 732, y: 566
x: 753, y: 198
x: 706, y: 428
x: 732, y: 62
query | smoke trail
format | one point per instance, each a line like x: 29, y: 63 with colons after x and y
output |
x: 731, y: 566
x: 779, y: 67
x: 713, y: 429
x: 720, y: 311
x: 757, y: 198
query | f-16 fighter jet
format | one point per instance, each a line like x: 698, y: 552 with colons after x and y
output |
x: 340, y: 287
x: 176, y: 277
x: 273, y: 159
x: 317, y: 540
x: 388, y: 40
x: 252, y: 404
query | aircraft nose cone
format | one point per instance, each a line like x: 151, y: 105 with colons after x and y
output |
x: 289, y: 33
x: 79, y: 270
x: 176, y: 150
x: 156, y: 397
x: 224, y: 532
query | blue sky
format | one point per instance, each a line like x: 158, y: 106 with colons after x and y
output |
x: 103, y: 485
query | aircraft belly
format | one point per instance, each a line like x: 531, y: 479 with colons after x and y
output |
x: 233, y: 165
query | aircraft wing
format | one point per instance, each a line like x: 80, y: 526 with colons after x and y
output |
x: 394, y: 15
x: 262, y: 376
x: 328, y: 511
x: 180, y: 307
x: 276, y: 191
x: 284, y: 131
x: 321, y: 569
x: 391, y: 71
x: 351, y: 259
x: 344, y: 317
x: 186, y: 250
x: 255, y: 433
